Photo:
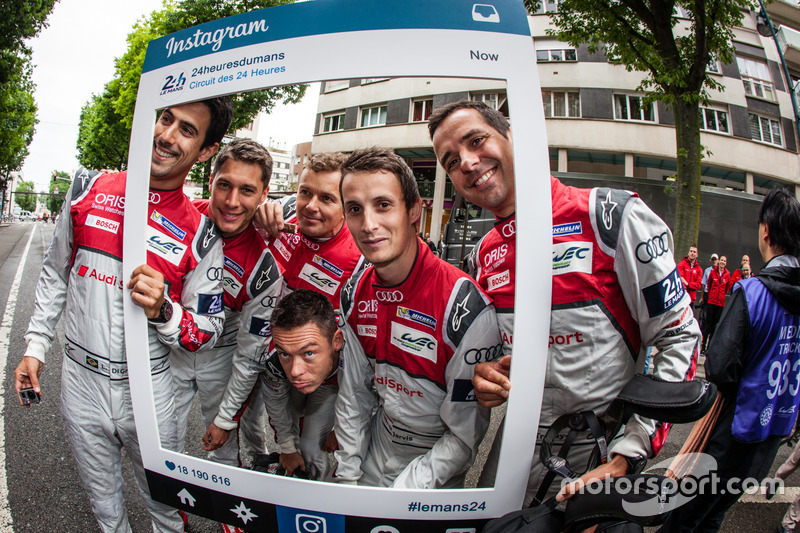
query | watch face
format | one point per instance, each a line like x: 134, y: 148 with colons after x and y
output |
x: 166, y: 311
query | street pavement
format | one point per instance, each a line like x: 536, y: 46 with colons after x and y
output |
x: 44, y: 492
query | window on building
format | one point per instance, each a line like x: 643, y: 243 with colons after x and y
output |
x: 557, y: 54
x: 547, y: 6
x: 714, y: 120
x: 756, y: 78
x: 334, y: 122
x: 713, y: 66
x: 765, y: 129
x: 367, y: 81
x: 495, y: 100
x: 630, y: 107
x: 336, y: 85
x: 422, y: 110
x: 373, y: 116
x: 561, y: 104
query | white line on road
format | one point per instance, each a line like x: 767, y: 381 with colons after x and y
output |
x: 6, y: 522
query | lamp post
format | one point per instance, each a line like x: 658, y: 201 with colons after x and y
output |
x: 765, y: 28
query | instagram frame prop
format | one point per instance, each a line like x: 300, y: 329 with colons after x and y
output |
x: 333, y: 40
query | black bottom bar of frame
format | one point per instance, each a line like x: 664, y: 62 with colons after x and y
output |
x: 256, y: 516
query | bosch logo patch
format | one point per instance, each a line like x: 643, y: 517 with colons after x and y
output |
x: 104, y: 224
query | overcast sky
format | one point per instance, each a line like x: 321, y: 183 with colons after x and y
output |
x: 74, y: 58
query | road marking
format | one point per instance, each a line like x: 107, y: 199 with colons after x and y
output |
x: 787, y: 495
x: 6, y: 522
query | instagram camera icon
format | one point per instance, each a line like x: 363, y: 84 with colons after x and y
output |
x: 306, y: 523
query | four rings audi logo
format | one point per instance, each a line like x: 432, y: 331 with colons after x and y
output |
x: 652, y: 248
x: 154, y: 197
x: 483, y: 355
x: 214, y: 274
x: 389, y: 296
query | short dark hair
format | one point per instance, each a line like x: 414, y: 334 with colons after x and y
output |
x: 246, y: 151
x: 303, y: 307
x: 325, y: 162
x: 780, y: 212
x: 491, y: 116
x: 221, y: 109
x: 378, y: 158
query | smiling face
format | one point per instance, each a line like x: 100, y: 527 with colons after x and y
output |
x: 237, y: 189
x: 319, y: 208
x: 383, y: 228
x: 307, y: 355
x: 722, y: 262
x: 478, y: 159
x: 177, y: 141
x: 692, y: 254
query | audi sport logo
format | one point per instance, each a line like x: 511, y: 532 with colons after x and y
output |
x: 154, y: 197
x: 483, y: 355
x: 509, y: 229
x: 214, y: 274
x: 652, y: 248
x: 389, y: 296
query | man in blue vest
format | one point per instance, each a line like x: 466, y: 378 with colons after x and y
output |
x: 754, y: 359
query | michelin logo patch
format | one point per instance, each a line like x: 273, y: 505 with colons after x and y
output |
x: 416, y: 316
x: 167, y: 224
x: 664, y: 295
x: 571, y: 228
x: 234, y: 267
x: 327, y: 265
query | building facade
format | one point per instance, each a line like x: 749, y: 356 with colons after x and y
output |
x: 596, y: 121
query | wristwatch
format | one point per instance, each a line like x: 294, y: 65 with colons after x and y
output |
x: 635, y: 464
x: 164, y: 314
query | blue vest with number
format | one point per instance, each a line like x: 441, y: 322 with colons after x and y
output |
x: 769, y: 391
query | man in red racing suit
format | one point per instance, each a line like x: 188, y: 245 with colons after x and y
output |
x: 406, y: 415
x: 223, y: 377
x: 82, y: 272
x: 611, y: 295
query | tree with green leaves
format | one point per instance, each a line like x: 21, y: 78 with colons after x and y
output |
x: 103, y: 137
x: 122, y: 92
x: 17, y: 121
x: 19, y: 20
x: 25, y: 196
x: 59, y: 183
x: 674, y: 53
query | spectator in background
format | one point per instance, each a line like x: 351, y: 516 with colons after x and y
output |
x: 757, y: 337
x: 431, y: 244
x: 718, y: 284
x: 691, y: 275
x: 737, y: 274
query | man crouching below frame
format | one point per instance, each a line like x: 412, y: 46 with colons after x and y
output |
x: 301, y: 382
x: 406, y: 415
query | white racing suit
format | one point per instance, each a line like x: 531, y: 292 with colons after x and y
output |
x: 230, y: 370
x: 409, y: 352
x: 616, y: 290
x: 301, y: 422
x: 82, y: 272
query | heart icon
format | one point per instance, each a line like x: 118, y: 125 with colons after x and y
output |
x: 170, y: 465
